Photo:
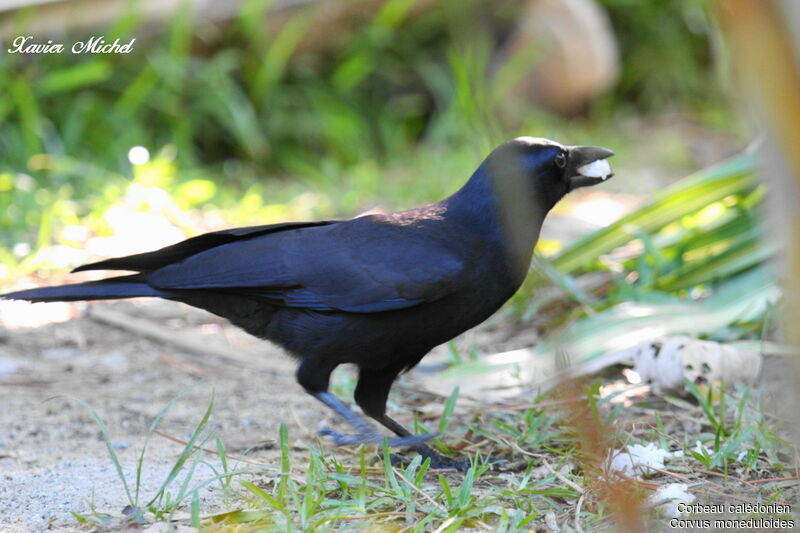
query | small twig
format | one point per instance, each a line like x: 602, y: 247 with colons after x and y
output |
x: 234, y: 457
x: 208, y: 450
x: 669, y: 473
x: 379, y: 515
x: 622, y: 477
x: 412, y: 526
x: 187, y: 341
x: 27, y: 383
x: 300, y: 424
x: 419, y: 491
x: 769, y: 480
x: 524, y: 406
x: 711, y: 473
x: 517, y: 447
x: 188, y: 367
x: 796, y: 464
x: 444, y: 525
x: 563, y: 478
x: 476, y: 445
x: 578, y: 527
x: 707, y: 487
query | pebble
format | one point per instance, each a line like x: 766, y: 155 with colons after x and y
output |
x: 9, y: 366
x: 61, y: 353
x: 114, y: 359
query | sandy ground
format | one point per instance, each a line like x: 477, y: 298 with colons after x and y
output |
x: 52, y: 457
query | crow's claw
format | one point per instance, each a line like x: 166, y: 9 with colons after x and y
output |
x: 497, y: 463
x: 340, y: 439
x: 442, y: 462
x: 438, y: 461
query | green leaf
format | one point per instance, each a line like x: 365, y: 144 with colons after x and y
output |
x: 72, y: 78
x: 683, y: 198
x: 29, y: 116
x: 261, y: 493
x: 449, y: 406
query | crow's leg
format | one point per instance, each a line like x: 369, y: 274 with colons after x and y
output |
x: 437, y: 460
x: 371, y: 394
x: 365, y: 432
x: 314, y: 376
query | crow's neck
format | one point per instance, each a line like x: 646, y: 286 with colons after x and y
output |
x: 476, y: 205
x: 514, y: 228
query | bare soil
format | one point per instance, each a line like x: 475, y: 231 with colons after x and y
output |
x: 53, y: 459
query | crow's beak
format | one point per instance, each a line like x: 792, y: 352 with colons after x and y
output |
x: 587, y: 165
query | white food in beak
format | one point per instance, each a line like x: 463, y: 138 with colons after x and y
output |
x: 596, y: 169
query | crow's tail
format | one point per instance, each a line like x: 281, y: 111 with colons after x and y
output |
x: 104, y: 289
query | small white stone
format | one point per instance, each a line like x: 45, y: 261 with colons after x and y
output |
x: 636, y: 459
x: 8, y: 366
x: 667, y: 497
x: 596, y: 169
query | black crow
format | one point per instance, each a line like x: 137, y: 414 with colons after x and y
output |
x: 378, y: 291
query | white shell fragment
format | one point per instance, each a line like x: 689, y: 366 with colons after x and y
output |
x: 596, y: 169
x: 667, y: 497
x: 666, y: 362
x: 636, y: 459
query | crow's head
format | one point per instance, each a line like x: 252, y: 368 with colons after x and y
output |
x: 528, y: 175
x: 549, y: 168
x: 525, y: 177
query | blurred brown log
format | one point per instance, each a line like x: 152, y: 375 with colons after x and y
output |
x: 764, y: 37
x: 573, y: 54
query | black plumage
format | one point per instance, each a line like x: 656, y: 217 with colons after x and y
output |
x: 378, y: 291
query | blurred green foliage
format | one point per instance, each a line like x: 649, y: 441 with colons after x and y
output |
x: 222, y: 106
x: 670, y: 54
x: 692, y: 238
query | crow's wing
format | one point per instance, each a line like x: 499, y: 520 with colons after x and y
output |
x: 372, y: 265
x: 363, y: 265
x: 150, y: 261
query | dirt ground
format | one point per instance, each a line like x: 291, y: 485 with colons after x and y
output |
x: 52, y: 456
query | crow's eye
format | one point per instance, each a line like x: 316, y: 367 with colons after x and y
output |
x: 561, y: 160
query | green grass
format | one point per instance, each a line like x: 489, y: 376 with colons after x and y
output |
x: 177, y: 488
x: 740, y: 438
x: 326, y: 493
x: 541, y: 478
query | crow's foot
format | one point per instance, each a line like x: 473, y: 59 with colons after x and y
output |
x: 373, y: 437
x: 438, y: 461
x: 442, y: 462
